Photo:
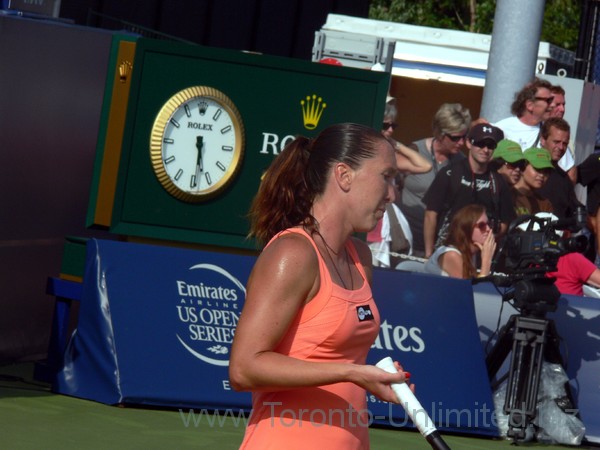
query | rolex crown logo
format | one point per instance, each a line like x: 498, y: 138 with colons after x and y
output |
x: 312, y: 109
x: 124, y: 70
x: 202, y: 107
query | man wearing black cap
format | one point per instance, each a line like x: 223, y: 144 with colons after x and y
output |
x: 466, y: 181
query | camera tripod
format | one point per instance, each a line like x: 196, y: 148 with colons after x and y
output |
x: 533, y: 339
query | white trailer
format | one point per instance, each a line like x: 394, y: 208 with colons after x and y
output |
x: 430, y: 66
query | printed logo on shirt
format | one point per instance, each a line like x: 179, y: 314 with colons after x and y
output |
x: 364, y: 313
x: 480, y: 184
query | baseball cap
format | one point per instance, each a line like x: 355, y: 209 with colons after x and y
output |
x: 539, y: 158
x: 485, y: 132
x: 509, y: 151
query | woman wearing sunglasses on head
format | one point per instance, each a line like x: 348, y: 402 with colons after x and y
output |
x: 469, y: 234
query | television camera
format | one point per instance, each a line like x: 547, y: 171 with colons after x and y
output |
x: 531, y: 248
x: 534, y: 243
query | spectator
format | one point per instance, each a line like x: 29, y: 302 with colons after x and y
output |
x: 469, y: 234
x: 558, y: 103
x: 392, y: 235
x: 589, y: 176
x: 559, y: 189
x: 573, y: 270
x: 469, y: 180
x: 450, y: 126
x: 508, y: 161
x: 567, y: 162
x: 531, y: 106
x: 407, y: 159
x: 526, y: 197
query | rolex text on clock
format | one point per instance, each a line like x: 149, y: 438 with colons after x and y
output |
x: 197, y: 143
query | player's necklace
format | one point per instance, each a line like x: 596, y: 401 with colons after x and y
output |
x: 329, y: 250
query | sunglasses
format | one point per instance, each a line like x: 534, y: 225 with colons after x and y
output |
x: 516, y: 165
x: 483, y: 226
x: 391, y: 125
x: 548, y: 100
x: 456, y: 138
x: 545, y: 171
x: 485, y: 144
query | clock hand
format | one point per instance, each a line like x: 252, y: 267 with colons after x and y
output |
x: 199, y: 166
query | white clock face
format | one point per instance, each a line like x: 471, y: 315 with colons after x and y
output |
x: 196, y: 144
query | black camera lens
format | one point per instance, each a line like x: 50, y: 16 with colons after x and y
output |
x: 574, y: 244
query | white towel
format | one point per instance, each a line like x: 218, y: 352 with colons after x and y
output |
x: 381, y: 249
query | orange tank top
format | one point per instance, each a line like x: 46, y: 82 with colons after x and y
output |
x: 337, y: 325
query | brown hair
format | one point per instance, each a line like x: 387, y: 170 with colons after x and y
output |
x: 460, y: 233
x: 526, y: 94
x: 556, y: 89
x: 300, y: 173
x: 555, y: 122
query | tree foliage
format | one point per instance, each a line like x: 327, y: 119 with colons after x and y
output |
x: 560, y: 26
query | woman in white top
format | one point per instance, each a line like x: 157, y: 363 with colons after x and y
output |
x: 468, y: 235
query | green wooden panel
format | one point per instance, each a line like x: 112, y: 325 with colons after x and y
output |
x: 109, y: 136
x: 267, y: 91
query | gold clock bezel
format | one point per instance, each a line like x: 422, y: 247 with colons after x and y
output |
x: 157, y: 134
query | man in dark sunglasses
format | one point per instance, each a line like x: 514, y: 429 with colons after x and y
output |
x: 532, y: 105
x: 467, y: 181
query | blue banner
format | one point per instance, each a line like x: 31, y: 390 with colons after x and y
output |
x: 156, y: 324
x: 428, y: 324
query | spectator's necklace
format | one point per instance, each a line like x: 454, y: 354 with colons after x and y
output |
x: 434, y: 161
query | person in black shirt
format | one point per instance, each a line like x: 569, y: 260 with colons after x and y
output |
x: 468, y: 181
x: 554, y: 137
x: 589, y: 176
